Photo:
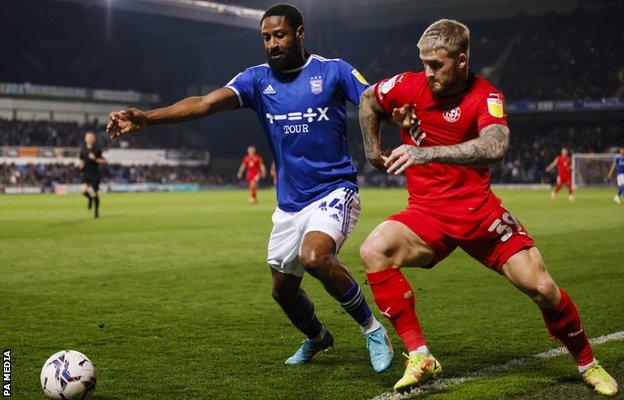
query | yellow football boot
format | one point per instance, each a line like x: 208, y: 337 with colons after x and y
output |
x: 603, y: 383
x: 419, y: 368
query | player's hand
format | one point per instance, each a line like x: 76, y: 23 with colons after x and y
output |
x: 378, y: 160
x: 405, y: 156
x: 125, y: 121
x: 405, y: 117
x: 239, y: 176
x: 91, y: 156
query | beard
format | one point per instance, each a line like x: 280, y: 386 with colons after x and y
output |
x: 289, y: 59
x: 450, y: 88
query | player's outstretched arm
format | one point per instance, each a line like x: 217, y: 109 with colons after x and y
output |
x: 133, y: 119
x: 489, y: 148
x: 611, y: 172
x: 241, y: 169
x: 371, y: 114
x: 551, y: 166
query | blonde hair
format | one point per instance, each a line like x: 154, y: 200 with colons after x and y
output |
x: 448, y: 34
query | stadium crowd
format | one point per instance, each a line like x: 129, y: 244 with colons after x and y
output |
x: 533, y: 146
x: 551, y: 57
x: 46, y: 175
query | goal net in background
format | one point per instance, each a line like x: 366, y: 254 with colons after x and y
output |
x: 591, y: 169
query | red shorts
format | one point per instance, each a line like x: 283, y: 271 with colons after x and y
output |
x: 252, y: 178
x: 564, y: 180
x: 488, y: 233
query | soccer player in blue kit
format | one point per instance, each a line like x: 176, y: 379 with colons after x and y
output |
x: 300, y: 102
x: 618, y: 168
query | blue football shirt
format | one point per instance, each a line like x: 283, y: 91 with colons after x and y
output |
x: 303, y: 114
x: 619, y: 164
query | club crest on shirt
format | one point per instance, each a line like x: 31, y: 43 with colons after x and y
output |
x: 316, y: 84
x: 452, y: 115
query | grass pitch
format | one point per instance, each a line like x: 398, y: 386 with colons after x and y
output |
x: 169, y: 295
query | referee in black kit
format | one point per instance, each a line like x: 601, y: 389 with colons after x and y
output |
x: 90, y: 161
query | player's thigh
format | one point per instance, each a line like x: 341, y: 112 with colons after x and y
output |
x: 84, y: 188
x: 392, y: 243
x: 317, y: 248
x: 527, y: 272
x: 620, y: 179
x: 95, y: 186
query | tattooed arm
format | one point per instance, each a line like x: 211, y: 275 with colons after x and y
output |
x: 371, y: 114
x: 489, y: 148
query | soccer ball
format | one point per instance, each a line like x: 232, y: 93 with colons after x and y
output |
x: 68, y: 375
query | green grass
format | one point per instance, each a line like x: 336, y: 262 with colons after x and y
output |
x: 169, y: 295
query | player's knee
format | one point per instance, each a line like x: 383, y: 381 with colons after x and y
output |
x: 545, y: 292
x: 315, y: 262
x: 373, y: 255
x: 282, y: 293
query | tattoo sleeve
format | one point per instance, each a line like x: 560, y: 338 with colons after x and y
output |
x: 489, y: 148
x: 371, y: 114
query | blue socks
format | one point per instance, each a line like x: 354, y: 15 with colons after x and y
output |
x: 353, y: 302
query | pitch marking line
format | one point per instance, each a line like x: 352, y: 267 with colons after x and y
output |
x: 440, y: 384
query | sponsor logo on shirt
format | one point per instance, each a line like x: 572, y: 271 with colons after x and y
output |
x: 359, y: 77
x: 452, y: 115
x: 310, y: 115
x: 495, y: 107
x: 316, y: 84
x: 269, y: 90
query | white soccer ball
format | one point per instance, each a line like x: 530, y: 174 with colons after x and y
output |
x: 68, y: 375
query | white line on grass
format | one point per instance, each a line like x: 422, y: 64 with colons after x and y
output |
x: 440, y: 384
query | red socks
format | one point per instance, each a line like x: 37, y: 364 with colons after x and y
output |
x: 395, y: 299
x: 564, y: 323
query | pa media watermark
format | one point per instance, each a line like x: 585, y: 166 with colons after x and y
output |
x: 6, y: 373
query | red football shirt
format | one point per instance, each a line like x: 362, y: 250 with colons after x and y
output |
x: 563, y: 167
x: 444, y: 122
x: 252, y: 163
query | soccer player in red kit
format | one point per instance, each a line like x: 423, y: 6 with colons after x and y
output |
x: 453, y: 125
x: 564, y: 177
x: 255, y: 170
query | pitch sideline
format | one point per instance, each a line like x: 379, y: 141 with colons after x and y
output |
x: 440, y: 384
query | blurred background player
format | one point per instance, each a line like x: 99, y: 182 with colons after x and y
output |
x: 618, y: 169
x: 89, y: 163
x: 456, y: 127
x: 273, y: 173
x: 255, y: 170
x: 563, y: 162
x: 300, y: 100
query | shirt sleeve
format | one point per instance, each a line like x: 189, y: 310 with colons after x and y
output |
x: 352, y: 82
x: 388, y: 93
x: 491, y: 110
x: 244, y: 87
